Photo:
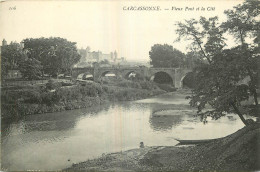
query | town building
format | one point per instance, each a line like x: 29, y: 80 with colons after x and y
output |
x: 89, y: 57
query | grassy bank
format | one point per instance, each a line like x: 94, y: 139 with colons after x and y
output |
x: 57, y: 96
x: 236, y: 152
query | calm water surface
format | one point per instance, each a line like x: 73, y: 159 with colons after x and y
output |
x: 55, y: 141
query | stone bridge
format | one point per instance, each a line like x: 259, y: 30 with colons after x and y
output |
x: 177, y: 74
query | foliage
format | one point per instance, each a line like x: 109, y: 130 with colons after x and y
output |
x: 31, y: 96
x: 217, y: 85
x: 219, y: 82
x: 194, y: 59
x: 40, y: 100
x: 148, y: 85
x: 243, y: 21
x: 11, y: 57
x: 55, y: 54
x: 66, y: 84
x: 137, y: 77
x: 31, y: 69
x: 51, y: 85
x: 205, y: 35
x: 83, y: 64
x: 138, y: 83
x: 129, y: 84
x: 165, y: 56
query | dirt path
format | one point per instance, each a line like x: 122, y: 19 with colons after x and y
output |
x: 239, y: 151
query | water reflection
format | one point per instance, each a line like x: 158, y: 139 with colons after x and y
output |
x: 166, y: 116
x: 164, y: 122
x: 47, y: 141
x: 59, y: 121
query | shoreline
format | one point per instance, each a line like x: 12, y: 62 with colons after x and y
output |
x: 113, y: 94
x: 233, y: 152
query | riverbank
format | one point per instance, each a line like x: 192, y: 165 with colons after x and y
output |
x: 55, y: 96
x: 236, y: 152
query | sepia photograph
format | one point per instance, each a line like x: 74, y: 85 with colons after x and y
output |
x: 130, y: 85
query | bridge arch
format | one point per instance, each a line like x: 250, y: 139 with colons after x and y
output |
x: 187, y: 80
x: 162, y: 77
x: 85, y: 76
x: 78, y: 71
x: 176, y: 75
x: 130, y: 73
x: 107, y: 72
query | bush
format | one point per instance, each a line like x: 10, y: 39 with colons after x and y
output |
x: 147, y: 85
x: 32, y: 96
x: 9, y: 110
x: 47, y: 98
x: 91, y: 90
x: 51, y: 85
x: 128, y: 84
x: 10, y: 96
x: 66, y: 84
x: 137, y: 78
x: 35, y: 100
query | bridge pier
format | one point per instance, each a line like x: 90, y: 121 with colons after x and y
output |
x: 177, y: 78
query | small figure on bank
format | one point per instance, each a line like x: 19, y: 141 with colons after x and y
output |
x: 141, y: 144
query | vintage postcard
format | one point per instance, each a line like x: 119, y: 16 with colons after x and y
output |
x: 130, y: 85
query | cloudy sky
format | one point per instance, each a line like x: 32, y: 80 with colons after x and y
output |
x: 103, y: 25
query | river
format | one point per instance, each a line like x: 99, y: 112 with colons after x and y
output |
x: 55, y: 141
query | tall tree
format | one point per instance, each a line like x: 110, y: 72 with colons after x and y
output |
x: 205, y: 35
x: 165, y: 56
x: 193, y: 59
x: 11, y: 56
x: 219, y: 81
x: 55, y: 54
x: 219, y: 85
x: 243, y: 23
x: 31, y: 69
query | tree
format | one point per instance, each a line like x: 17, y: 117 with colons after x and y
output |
x: 243, y: 22
x: 218, y: 82
x: 218, y: 85
x: 11, y: 56
x: 31, y: 69
x: 193, y: 59
x: 55, y: 54
x: 165, y: 56
x: 205, y: 35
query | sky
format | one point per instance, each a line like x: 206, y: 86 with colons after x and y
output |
x: 106, y: 25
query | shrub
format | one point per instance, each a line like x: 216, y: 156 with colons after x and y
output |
x: 124, y: 83
x: 66, y: 84
x: 147, y: 85
x: 10, y: 96
x: 51, y: 85
x: 32, y: 96
x: 40, y: 100
x: 91, y: 90
x: 50, y: 98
